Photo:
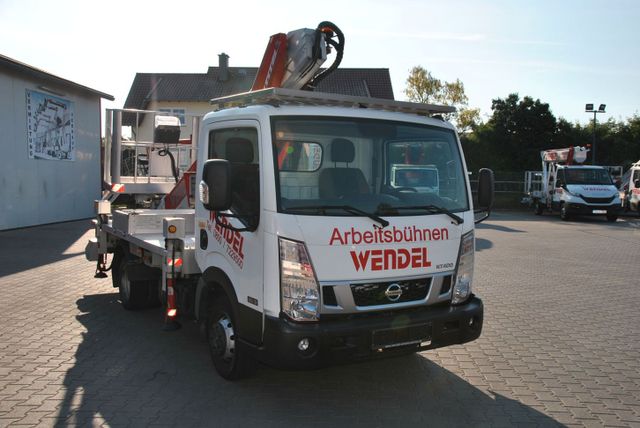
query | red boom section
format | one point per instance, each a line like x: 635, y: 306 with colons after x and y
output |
x: 181, y: 191
x: 271, y: 69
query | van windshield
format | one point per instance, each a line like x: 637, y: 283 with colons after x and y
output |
x: 587, y: 176
x: 384, y: 168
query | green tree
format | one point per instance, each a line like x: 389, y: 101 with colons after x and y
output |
x: 423, y: 87
x: 513, y: 137
x: 468, y: 120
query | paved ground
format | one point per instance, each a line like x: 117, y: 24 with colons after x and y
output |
x: 561, y: 345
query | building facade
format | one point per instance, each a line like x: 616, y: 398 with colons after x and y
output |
x: 50, y: 138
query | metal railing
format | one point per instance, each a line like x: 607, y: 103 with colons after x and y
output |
x: 136, y: 161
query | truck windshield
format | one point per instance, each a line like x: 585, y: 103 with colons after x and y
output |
x: 382, y: 168
x: 587, y: 176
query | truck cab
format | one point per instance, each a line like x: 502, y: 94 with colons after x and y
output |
x: 566, y: 186
x: 303, y: 248
x: 585, y: 190
x: 328, y: 257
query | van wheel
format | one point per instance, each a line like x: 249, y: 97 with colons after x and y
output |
x: 564, y: 212
x: 229, y: 357
x: 538, y: 208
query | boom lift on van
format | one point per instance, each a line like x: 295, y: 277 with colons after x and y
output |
x: 300, y: 251
x: 571, y: 188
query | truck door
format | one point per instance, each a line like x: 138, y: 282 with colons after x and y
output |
x: 559, y: 185
x: 238, y: 254
x: 634, y: 189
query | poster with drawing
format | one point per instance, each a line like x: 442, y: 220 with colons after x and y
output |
x: 50, y: 127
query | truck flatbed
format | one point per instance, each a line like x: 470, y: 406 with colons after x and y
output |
x: 142, y: 228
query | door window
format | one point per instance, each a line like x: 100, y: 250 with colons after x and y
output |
x: 240, y: 147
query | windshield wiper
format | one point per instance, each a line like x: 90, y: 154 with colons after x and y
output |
x: 347, y: 208
x: 431, y: 208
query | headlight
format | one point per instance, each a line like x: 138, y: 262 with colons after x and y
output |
x: 464, y: 273
x: 204, y: 192
x: 298, y: 285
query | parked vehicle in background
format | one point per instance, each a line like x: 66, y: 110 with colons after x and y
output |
x: 630, y: 189
x: 571, y: 189
x: 423, y: 178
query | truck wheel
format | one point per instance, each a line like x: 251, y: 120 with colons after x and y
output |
x: 229, y: 358
x: 116, y: 263
x: 564, y: 212
x: 133, y: 294
x: 538, y: 208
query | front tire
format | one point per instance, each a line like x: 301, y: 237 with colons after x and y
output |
x: 538, y: 208
x: 564, y: 212
x: 229, y: 357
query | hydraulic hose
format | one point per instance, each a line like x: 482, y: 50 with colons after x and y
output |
x: 329, y: 30
x: 174, y: 168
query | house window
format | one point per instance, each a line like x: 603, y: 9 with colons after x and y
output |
x: 177, y: 112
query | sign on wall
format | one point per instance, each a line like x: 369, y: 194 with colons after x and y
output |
x: 50, y: 127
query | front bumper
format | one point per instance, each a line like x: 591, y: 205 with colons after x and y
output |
x: 336, y: 341
x: 583, y: 209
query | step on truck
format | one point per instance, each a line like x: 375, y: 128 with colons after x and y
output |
x: 566, y: 186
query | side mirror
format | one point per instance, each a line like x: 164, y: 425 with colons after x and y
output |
x: 486, y: 185
x: 215, y: 188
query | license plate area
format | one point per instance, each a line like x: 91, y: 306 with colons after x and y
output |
x: 599, y: 211
x: 419, y: 334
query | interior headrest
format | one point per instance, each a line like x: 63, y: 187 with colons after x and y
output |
x: 239, y: 150
x: 342, y: 150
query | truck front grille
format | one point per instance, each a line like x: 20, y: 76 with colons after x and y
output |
x: 376, y: 294
x: 598, y: 200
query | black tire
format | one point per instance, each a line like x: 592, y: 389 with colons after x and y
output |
x: 230, y: 359
x: 116, y: 263
x: 564, y: 212
x: 611, y: 218
x: 538, y: 208
x: 133, y: 294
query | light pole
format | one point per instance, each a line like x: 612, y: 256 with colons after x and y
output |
x: 589, y: 109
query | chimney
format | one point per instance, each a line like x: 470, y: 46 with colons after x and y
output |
x: 223, y: 67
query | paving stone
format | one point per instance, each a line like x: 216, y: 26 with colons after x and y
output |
x: 559, y: 345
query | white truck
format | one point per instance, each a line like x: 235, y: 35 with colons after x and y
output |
x: 299, y: 252
x: 296, y: 249
x: 424, y: 178
x: 630, y: 188
x: 571, y: 188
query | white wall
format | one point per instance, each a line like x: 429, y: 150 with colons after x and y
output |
x: 38, y: 191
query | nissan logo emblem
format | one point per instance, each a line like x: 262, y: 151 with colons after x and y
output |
x: 393, y: 292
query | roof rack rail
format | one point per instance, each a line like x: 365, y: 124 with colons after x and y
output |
x: 282, y: 96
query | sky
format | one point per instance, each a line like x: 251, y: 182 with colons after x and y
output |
x: 565, y: 52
